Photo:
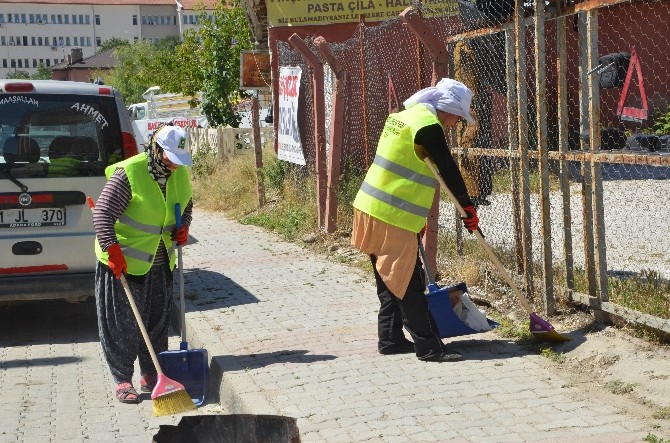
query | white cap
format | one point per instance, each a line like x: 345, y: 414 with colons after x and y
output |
x: 448, y: 95
x: 458, y: 98
x: 174, y: 141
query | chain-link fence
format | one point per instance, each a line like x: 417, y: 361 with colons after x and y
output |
x: 569, y: 154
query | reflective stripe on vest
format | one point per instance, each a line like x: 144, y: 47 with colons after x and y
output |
x: 140, y: 239
x: 399, y: 188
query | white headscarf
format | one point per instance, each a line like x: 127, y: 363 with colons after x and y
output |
x: 448, y: 95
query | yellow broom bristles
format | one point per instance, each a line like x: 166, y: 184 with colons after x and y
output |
x: 172, y: 403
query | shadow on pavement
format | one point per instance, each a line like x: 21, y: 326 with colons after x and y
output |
x: 254, y: 361
x: 211, y: 290
x: 48, y: 322
x: 31, y: 362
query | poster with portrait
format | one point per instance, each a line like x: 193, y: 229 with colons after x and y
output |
x: 288, y: 135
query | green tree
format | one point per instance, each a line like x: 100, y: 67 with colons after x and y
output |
x: 211, y: 56
x: 113, y: 43
x: 19, y: 75
x: 132, y: 75
x: 42, y: 73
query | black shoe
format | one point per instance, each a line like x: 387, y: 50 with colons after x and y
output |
x: 406, y: 347
x: 444, y: 356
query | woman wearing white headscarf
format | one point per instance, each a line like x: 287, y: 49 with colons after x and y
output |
x: 391, y: 207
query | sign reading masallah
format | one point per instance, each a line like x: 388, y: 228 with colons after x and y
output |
x: 310, y: 12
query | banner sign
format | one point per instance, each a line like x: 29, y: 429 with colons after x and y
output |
x: 288, y: 136
x: 311, y: 12
x: 254, y: 70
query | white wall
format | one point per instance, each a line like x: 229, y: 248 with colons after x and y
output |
x: 115, y: 21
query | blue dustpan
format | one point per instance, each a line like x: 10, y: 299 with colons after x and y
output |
x: 190, y: 367
x: 439, y: 305
x: 447, y: 322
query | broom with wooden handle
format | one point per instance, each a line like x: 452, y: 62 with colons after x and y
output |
x: 539, y: 327
x: 169, y: 397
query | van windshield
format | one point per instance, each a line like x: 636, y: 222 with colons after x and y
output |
x: 58, y: 135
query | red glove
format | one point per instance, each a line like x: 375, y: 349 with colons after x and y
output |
x: 471, y: 222
x: 116, y: 262
x: 180, y: 235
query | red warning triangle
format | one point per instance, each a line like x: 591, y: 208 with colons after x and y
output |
x: 629, y: 113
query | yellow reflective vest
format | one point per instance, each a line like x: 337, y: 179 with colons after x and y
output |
x: 150, y: 216
x: 399, y: 188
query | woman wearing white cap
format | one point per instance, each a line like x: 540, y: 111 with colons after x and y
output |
x: 134, y: 221
x: 391, y: 207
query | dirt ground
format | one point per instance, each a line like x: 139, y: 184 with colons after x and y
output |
x: 604, y: 361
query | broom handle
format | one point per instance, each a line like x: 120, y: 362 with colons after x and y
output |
x: 140, y: 323
x: 425, y: 264
x: 138, y: 317
x: 180, y: 264
x: 487, y: 248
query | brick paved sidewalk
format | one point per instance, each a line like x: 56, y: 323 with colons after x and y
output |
x: 294, y: 334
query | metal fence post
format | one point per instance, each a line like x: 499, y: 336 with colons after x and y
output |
x: 319, y: 122
x: 336, y: 129
x: 543, y: 153
x: 522, y: 100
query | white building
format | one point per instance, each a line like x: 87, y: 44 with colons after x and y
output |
x: 45, y: 31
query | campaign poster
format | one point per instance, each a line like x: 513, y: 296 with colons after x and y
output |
x: 288, y: 135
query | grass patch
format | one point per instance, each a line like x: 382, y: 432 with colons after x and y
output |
x: 651, y: 438
x: 662, y: 414
x: 556, y: 357
x: 619, y: 387
x: 502, y: 182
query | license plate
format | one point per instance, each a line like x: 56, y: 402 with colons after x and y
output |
x: 32, y: 217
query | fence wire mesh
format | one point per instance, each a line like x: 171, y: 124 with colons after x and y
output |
x: 583, y: 208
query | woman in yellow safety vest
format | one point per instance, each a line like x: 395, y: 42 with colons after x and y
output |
x: 391, y: 207
x: 136, y: 232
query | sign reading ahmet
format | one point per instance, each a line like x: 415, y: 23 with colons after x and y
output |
x: 310, y: 12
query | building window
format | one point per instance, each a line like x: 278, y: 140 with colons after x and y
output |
x: 2, y: 20
x: 135, y: 39
x: 31, y: 18
x: 88, y: 41
x: 76, y: 41
x: 54, y: 42
x: 55, y: 61
x: 39, y: 41
x: 3, y: 42
x: 33, y: 41
x: 25, y: 41
x: 66, y: 19
x: 20, y: 63
x: 23, y: 18
x: 67, y: 41
x: 53, y: 19
x: 34, y: 63
x: 87, y: 19
x: 4, y: 62
x: 59, y: 18
x: 134, y: 20
x: 48, y: 63
x: 74, y: 19
x: 13, y: 63
x: 97, y: 19
x: 98, y: 41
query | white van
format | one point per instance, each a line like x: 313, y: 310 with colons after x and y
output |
x: 56, y: 139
